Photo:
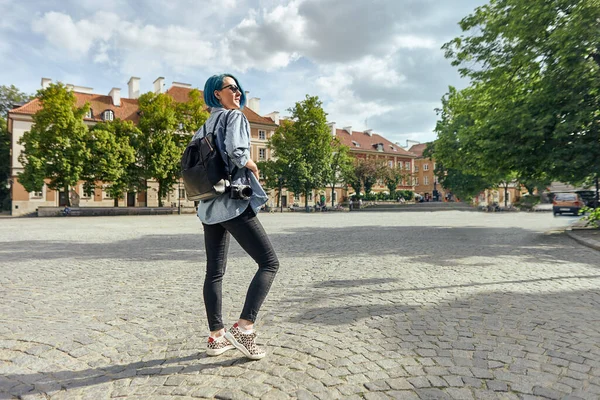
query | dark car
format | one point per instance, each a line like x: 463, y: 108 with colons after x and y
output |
x: 567, y: 203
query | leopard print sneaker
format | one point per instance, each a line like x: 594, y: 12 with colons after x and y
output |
x: 244, y: 342
x: 218, y: 346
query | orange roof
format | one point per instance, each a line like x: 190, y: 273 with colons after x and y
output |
x: 129, y: 107
x: 362, y: 141
x: 418, y: 149
x: 127, y: 111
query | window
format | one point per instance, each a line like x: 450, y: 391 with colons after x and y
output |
x: 416, y: 168
x: 310, y: 196
x: 108, y: 115
x: 390, y: 164
x: 434, y: 166
x: 262, y: 135
x: 356, y: 144
x: 435, y: 179
x: 82, y: 191
x: 407, y: 165
x: 262, y: 154
x: 37, y: 195
x: 182, y: 193
x: 261, y: 175
x: 425, y: 167
x: 425, y: 180
x: 416, y: 181
x: 105, y: 193
x: 297, y: 196
x: 89, y: 114
x: 181, y: 126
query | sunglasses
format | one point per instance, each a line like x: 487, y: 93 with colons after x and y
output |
x: 233, y: 88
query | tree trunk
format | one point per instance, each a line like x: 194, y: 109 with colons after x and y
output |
x: 67, y: 195
x: 597, y: 199
x: 116, y: 201
x: 160, y: 202
x: 332, y: 192
x: 306, y: 200
x: 506, y: 196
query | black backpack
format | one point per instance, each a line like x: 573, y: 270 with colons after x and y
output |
x: 202, y: 167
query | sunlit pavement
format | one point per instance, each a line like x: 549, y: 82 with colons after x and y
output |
x: 457, y: 305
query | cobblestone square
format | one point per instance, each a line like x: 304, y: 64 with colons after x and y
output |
x: 435, y: 305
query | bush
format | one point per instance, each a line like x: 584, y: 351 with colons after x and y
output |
x: 407, y: 194
x: 592, y: 218
x: 6, y: 204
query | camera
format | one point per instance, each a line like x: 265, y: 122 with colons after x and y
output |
x: 240, y: 192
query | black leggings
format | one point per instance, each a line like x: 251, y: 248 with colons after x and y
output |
x: 249, y: 233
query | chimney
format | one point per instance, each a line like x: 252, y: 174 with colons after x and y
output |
x: 348, y: 129
x: 332, y: 126
x: 134, y: 87
x: 182, y: 85
x: 115, y: 93
x: 46, y: 82
x: 274, y: 116
x: 254, y: 104
x: 159, y: 85
x: 369, y: 132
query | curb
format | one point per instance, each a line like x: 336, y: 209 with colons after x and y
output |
x: 593, y: 244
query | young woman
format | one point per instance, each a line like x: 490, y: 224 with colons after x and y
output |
x: 235, y: 215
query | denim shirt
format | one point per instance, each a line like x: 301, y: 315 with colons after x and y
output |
x: 235, y: 143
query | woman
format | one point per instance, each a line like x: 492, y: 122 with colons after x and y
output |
x: 227, y: 215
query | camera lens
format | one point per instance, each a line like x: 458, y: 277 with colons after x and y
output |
x: 246, y: 191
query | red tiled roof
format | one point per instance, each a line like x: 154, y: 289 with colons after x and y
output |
x: 368, y: 142
x: 98, y: 103
x: 129, y: 107
x: 418, y: 149
x: 180, y: 95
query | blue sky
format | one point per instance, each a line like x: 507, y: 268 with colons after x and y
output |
x: 375, y: 63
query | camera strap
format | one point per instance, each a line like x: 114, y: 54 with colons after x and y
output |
x: 230, y: 171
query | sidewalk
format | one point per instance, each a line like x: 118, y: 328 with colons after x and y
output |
x: 586, y: 236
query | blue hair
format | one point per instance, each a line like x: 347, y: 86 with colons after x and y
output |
x: 215, y: 82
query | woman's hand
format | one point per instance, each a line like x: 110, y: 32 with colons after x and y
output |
x: 251, y: 165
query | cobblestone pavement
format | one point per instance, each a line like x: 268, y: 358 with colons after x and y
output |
x: 446, y: 305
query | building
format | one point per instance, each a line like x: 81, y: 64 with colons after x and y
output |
x: 425, y: 181
x: 109, y: 107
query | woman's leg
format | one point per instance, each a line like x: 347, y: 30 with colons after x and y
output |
x: 216, y: 243
x: 250, y: 234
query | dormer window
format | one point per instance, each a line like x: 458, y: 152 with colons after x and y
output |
x: 89, y: 114
x: 356, y: 143
x: 378, y: 146
x: 108, y: 115
x: 393, y: 148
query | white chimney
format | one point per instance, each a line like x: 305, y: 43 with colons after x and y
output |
x: 46, y: 82
x: 274, y: 116
x: 115, y: 93
x: 254, y: 104
x: 348, y: 129
x: 134, y: 87
x: 332, y: 126
x: 159, y: 85
x: 182, y: 85
x: 369, y: 132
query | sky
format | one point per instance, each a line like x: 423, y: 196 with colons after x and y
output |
x: 375, y: 64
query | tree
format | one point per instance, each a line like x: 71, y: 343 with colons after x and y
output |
x: 339, y: 167
x: 160, y: 146
x: 112, y: 157
x: 192, y: 113
x: 274, y: 173
x: 9, y: 95
x: 534, y: 94
x: 304, y: 145
x: 54, y: 148
x: 392, y: 177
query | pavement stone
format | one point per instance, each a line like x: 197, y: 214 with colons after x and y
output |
x: 436, y: 305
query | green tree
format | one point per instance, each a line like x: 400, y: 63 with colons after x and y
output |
x: 534, y: 94
x: 304, y: 145
x: 9, y: 95
x: 274, y: 173
x: 112, y: 157
x: 160, y: 145
x: 55, y: 148
x: 339, y: 167
x: 192, y: 113
x: 392, y: 176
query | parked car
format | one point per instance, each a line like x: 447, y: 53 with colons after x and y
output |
x: 567, y: 203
